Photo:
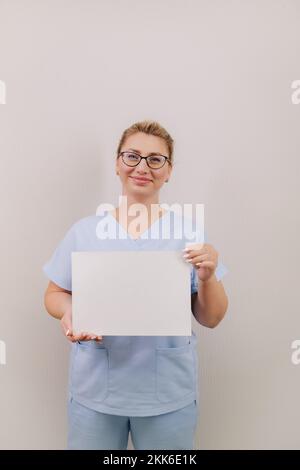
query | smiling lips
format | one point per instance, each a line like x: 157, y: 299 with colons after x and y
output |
x: 140, y: 180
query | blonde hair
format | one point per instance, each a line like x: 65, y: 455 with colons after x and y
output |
x: 151, y: 128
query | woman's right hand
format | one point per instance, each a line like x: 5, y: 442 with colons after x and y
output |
x: 66, y: 324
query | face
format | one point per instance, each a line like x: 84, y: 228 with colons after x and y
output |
x: 155, y: 178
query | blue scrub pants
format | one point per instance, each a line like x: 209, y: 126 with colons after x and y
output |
x: 90, y: 429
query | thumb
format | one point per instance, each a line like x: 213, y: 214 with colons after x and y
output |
x: 67, y: 327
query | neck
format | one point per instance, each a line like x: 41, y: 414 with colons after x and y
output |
x: 149, y: 209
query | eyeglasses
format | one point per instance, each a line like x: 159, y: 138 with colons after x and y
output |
x: 153, y: 161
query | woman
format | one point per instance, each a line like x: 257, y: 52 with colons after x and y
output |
x: 143, y: 384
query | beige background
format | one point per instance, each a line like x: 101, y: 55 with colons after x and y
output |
x: 217, y: 75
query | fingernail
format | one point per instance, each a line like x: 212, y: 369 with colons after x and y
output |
x: 186, y: 256
x: 67, y: 332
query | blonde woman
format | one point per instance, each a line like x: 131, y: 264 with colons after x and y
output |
x: 145, y: 385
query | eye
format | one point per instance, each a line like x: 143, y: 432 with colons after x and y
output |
x: 132, y: 157
x: 155, y: 159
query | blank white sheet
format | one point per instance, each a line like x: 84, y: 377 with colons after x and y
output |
x: 128, y: 293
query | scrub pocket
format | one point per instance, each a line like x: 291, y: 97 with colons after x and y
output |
x: 89, y: 372
x: 175, y: 373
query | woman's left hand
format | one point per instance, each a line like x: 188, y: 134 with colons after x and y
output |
x: 204, y: 258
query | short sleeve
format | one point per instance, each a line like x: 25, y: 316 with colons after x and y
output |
x: 194, y: 281
x: 58, y: 268
x: 220, y: 271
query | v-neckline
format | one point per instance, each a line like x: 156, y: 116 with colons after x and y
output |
x: 140, y: 238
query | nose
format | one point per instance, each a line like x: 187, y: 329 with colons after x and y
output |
x: 142, y: 166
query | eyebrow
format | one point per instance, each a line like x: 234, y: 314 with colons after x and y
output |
x: 149, y: 154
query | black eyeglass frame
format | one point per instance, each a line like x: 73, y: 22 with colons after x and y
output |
x: 146, y: 158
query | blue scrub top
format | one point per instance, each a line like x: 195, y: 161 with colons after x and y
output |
x: 130, y: 375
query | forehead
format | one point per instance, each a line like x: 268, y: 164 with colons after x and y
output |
x: 145, y: 143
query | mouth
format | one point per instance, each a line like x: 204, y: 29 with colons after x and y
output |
x: 140, y: 180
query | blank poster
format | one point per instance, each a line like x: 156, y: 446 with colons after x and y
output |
x: 131, y: 293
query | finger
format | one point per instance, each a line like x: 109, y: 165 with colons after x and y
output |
x: 66, y: 325
x: 70, y: 337
x: 90, y: 337
x: 206, y: 264
x: 193, y: 246
x: 84, y: 336
x: 75, y: 338
x: 66, y: 331
x: 78, y: 337
x: 96, y: 337
x: 200, y: 259
x: 197, y: 258
x: 192, y: 253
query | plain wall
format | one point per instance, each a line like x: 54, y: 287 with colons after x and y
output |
x: 218, y: 76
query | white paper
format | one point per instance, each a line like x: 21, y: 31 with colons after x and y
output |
x: 131, y: 293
